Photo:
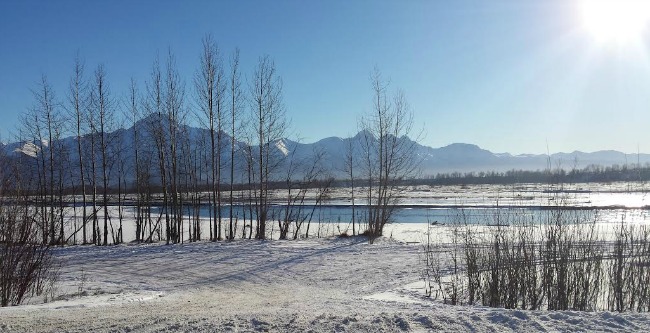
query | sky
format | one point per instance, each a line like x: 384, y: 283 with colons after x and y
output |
x: 512, y: 76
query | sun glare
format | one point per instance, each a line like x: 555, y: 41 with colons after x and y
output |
x: 618, y: 21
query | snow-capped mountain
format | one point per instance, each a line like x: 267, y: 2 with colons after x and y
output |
x: 331, y: 152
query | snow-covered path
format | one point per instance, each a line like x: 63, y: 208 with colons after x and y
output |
x: 318, y: 285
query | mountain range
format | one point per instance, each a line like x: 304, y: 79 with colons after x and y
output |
x: 456, y: 157
x: 463, y: 157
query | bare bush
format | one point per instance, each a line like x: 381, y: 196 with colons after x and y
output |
x: 553, y: 260
x: 387, y: 153
x: 628, y: 269
x: 27, y: 267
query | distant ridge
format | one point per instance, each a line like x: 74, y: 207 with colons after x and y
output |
x: 455, y: 157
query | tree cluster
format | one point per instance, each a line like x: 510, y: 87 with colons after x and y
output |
x: 88, y: 168
x: 589, y: 174
x: 83, y: 168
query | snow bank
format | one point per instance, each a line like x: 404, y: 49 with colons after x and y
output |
x: 317, y: 285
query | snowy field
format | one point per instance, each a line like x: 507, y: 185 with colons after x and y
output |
x: 310, y: 285
x: 583, y: 195
x: 318, y: 284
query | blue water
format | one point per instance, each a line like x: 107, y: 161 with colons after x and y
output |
x: 465, y: 215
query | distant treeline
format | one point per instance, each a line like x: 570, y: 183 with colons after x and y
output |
x: 589, y: 174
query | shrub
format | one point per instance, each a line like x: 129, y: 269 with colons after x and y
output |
x: 27, y: 267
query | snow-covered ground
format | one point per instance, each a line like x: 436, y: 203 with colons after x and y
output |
x: 584, y: 195
x: 308, y: 285
x: 317, y: 284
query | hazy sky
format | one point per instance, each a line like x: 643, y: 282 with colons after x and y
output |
x: 511, y: 76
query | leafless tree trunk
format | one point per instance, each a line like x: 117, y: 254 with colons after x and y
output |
x: 119, y: 169
x: 192, y: 162
x: 61, y: 163
x: 252, y: 195
x: 77, y: 96
x: 349, y: 167
x: 103, y: 104
x: 210, y: 87
x: 137, y: 167
x: 50, y: 125
x: 154, y: 107
x: 174, y: 99
x: 270, y: 124
x: 93, y: 168
x: 235, y: 107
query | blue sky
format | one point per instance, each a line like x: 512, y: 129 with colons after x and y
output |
x: 510, y: 76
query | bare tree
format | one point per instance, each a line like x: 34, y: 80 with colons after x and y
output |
x: 210, y: 87
x: 348, y: 167
x: 270, y: 127
x: 91, y: 115
x: 119, y: 168
x: 76, y: 99
x: 143, y: 154
x: 154, y: 108
x: 191, y: 157
x: 52, y: 121
x: 60, y: 163
x: 303, y: 175
x: 34, y: 132
x: 43, y: 124
x: 388, y: 153
x: 236, y: 99
x: 251, y: 193
x: 134, y: 114
x: 102, y: 103
x: 174, y: 96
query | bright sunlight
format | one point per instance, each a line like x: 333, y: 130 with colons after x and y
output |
x: 616, y: 21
